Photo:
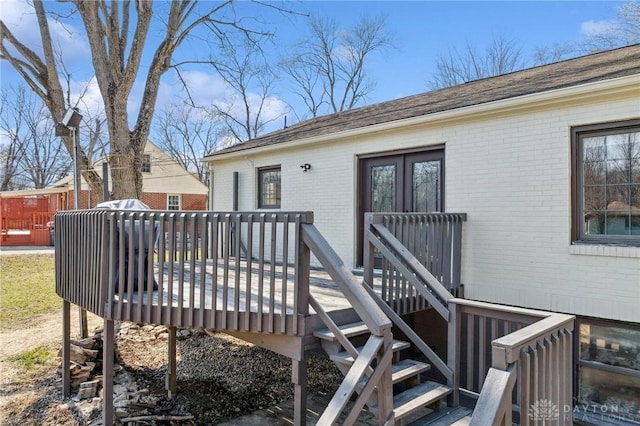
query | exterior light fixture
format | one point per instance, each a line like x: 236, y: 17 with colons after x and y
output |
x: 69, y: 126
x: 305, y: 167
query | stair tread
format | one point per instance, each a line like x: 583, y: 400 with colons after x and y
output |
x: 345, y: 358
x: 403, y: 370
x: 462, y: 422
x: 417, y: 397
x: 459, y: 416
x: 407, y: 368
x: 349, y: 330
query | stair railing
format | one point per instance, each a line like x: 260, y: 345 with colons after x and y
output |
x: 406, y: 245
x: 378, y: 347
x: 512, y: 360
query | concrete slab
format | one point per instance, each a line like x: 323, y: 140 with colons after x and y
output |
x: 22, y: 250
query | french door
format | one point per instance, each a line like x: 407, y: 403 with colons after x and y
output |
x: 400, y: 182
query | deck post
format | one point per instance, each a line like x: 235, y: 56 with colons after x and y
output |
x: 368, y: 251
x: 66, y: 349
x: 385, y: 387
x: 108, y: 350
x: 170, y: 383
x: 299, y: 379
x: 453, y: 352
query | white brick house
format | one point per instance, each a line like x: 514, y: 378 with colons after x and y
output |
x: 511, y: 153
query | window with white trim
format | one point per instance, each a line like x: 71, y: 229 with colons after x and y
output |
x: 606, y: 183
x: 174, y: 202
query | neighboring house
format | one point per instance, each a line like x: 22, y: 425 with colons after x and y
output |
x: 166, y: 185
x: 546, y: 164
x: 26, y: 215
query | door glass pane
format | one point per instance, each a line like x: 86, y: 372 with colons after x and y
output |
x: 383, y: 188
x: 426, y: 186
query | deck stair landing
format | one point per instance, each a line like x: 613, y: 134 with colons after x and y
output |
x: 410, y: 394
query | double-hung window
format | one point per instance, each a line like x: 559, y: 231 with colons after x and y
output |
x: 606, y: 183
x: 269, y: 187
x: 173, y: 202
x: 146, y: 163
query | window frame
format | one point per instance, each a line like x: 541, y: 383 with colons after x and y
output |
x: 578, y: 134
x: 261, y: 172
x: 582, y: 364
x: 146, y: 163
x: 179, y: 202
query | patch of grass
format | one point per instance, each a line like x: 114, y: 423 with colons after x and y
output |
x: 33, y: 358
x: 27, y: 288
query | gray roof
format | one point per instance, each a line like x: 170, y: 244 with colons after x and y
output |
x: 572, y: 72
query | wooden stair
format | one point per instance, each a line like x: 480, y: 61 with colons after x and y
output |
x: 459, y: 416
x: 414, y: 395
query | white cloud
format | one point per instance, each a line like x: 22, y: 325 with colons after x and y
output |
x: 67, y: 35
x: 594, y: 28
x: 208, y: 89
x: 204, y: 88
x: 86, y: 94
x: 20, y: 18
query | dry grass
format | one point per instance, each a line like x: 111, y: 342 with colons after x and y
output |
x: 27, y: 288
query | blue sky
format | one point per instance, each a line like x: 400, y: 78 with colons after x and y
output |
x: 427, y: 29
x: 423, y: 30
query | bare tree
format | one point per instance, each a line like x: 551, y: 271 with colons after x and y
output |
x: 250, y: 81
x: 9, y: 166
x: 556, y: 52
x: 9, y: 150
x: 456, y: 67
x: 624, y: 30
x: 118, y: 35
x: 34, y: 157
x: 187, y: 134
x: 328, y: 69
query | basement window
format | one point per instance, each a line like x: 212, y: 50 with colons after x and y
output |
x: 608, y: 371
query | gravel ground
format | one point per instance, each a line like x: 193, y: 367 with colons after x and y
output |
x: 219, y: 378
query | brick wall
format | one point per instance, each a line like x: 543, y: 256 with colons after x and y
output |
x: 509, y: 172
x: 158, y: 201
x: 155, y: 200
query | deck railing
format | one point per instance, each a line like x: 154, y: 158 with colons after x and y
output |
x: 419, y: 258
x: 185, y: 269
x: 235, y: 272
x: 433, y: 239
x: 512, y: 360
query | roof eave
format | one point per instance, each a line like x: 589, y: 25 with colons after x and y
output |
x: 629, y: 84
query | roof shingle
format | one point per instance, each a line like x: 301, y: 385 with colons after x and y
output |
x: 572, y: 72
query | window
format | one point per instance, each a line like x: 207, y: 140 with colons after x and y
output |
x: 173, y: 202
x: 146, y: 163
x: 608, y: 358
x: 606, y: 183
x: 269, y: 188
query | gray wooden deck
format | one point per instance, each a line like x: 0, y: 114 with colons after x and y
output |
x: 243, y: 287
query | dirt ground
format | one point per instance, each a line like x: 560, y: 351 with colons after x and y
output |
x: 219, y: 377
